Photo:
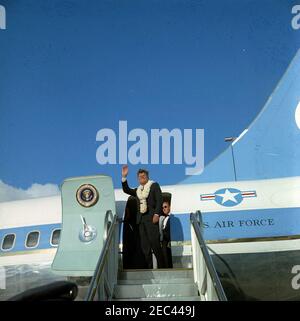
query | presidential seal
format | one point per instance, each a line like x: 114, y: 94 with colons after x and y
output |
x: 87, y: 195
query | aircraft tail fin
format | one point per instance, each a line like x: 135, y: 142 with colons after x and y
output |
x: 269, y: 148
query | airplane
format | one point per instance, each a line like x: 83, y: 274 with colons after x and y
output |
x: 248, y: 197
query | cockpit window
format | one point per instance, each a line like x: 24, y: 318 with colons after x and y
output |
x: 8, y: 242
x: 55, y: 237
x: 32, y: 239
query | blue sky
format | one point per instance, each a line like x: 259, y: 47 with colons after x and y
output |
x: 70, y: 68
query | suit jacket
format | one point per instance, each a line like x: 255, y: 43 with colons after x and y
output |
x: 154, y: 199
x: 166, y: 231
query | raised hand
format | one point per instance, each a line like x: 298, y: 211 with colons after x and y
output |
x: 125, y: 171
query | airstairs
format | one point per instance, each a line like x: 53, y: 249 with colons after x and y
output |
x: 200, y: 283
x: 91, y: 227
x: 156, y: 285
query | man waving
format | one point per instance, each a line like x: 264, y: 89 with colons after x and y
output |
x: 150, y: 200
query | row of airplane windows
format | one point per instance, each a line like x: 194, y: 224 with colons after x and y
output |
x: 31, y: 242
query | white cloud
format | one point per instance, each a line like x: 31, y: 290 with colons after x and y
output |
x: 10, y: 193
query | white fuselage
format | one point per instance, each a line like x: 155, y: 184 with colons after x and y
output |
x: 229, y: 227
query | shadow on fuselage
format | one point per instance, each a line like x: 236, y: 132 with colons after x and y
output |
x: 258, y: 276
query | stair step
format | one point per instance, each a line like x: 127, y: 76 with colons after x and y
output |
x: 154, y: 291
x: 156, y: 281
x: 178, y: 298
x: 155, y: 274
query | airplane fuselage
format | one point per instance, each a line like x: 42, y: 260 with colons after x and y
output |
x: 249, y: 220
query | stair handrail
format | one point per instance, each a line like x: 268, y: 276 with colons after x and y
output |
x: 106, y: 272
x: 205, y: 274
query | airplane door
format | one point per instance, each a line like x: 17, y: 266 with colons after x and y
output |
x: 88, y: 206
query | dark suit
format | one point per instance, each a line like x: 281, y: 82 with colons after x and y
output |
x: 133, y: 256
x: 149, y: 232
x: 166, y: 245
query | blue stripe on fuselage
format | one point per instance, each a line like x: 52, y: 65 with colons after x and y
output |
x: 21, y: 233
x: 217, y: 226
x: 240, y: 224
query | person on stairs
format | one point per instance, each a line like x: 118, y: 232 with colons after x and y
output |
x: 165, y: 234
x: 150, y: 209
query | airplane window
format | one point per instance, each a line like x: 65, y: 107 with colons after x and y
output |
x: 32, y: 239
x: 55, y: 237
x: 8, y: 242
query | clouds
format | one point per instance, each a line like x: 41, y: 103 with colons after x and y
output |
x: 10, y: 193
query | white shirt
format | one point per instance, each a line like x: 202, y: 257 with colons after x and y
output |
x: 165, y: 221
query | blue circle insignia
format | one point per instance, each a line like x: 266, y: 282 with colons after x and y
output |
x: 228, y: 197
